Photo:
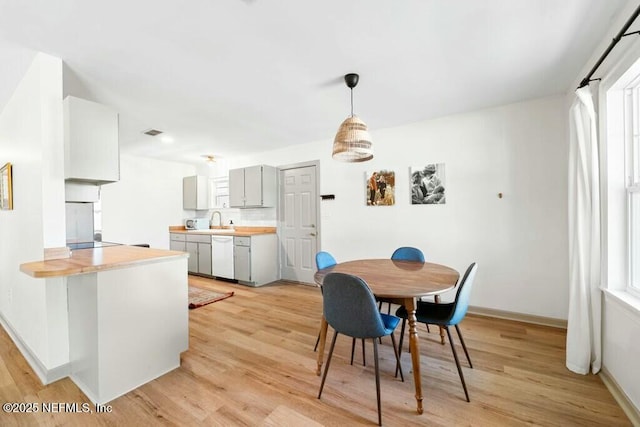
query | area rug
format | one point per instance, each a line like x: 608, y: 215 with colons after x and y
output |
x: 199, y: 296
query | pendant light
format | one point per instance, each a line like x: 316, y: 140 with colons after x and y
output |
x: 352, y: 142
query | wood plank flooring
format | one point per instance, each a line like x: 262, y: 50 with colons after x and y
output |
x: 251, y: 363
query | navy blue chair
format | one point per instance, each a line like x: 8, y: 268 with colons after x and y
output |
x: 405, y: 253
x: 324, y: 260
x: 445, y: 315
x: 350, y: 308
x: 408, y: 253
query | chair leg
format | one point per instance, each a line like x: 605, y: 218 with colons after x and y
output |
x: 315, y: 348
x: 375, y: 358
x: 389, y: 309
x: 464, y: 347
x: 364, y: 360
x: 404, y: 323
x: 353, y: 348
x: 455, y: 356
x: 326, y: 367
x: 395, y: 351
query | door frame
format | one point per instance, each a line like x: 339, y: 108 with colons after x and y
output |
x: 315, y: 163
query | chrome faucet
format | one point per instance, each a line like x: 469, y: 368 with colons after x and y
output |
x: 219, y: 218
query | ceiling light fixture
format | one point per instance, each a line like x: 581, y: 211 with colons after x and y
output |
x: 209, y: 158
x: 352, y: 142
x: 152, y: 132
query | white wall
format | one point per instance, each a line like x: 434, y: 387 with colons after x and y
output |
x: 145, y: 202
x: 519, y: 241
x: 34, y: 310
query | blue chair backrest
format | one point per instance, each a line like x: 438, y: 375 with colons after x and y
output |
x: 350, y: 307
x: 324, y: 260
x: 407, y: 253
x: 462, y: 295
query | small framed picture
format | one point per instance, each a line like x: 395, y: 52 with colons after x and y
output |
x: 6, y: 188
x: 428, y: 184
x: 380, y: 187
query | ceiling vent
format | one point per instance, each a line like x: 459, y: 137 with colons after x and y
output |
x: 152, y: 132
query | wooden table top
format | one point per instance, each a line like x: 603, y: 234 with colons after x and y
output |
x: 397, y: 279
x: 92, y: 260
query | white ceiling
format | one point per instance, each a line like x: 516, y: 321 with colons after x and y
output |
x: 230, y: 76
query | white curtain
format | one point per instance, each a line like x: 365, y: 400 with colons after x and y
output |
x: 584, y: 349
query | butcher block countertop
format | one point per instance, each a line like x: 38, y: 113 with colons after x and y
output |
x: 225, y: 231
x: 93, y: 260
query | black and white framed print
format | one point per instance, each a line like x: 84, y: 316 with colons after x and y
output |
x: 428, y: 184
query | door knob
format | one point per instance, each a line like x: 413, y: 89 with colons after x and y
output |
x: 312, y: 234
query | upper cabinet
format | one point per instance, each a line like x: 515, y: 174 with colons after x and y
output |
x: 253, y: 187
x: 91, y: 151
x: 195, y: 192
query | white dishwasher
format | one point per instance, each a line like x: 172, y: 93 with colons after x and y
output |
x: 222, y: 256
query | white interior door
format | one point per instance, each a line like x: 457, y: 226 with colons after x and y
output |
x: 299, y: 227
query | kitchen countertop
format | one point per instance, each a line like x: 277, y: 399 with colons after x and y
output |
x: 224, y: 231
x: 93, y: 260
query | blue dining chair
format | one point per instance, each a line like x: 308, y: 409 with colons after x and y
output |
x: 445, y: 315
x: 404, y: 253
x: 407, y: 253
x: 325, y: 260
x: 350, y: 308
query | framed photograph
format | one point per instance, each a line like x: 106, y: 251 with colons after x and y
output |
x: 6, y: 188
x: 380, y: 186
x: 428, y: 184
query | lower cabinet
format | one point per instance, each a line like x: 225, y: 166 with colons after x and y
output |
x: 255, y: 259
x: 199, y: 248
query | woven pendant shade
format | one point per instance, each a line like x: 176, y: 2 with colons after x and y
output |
x: 352, y: 142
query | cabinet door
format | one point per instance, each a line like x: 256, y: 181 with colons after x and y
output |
x: 204, y: 258
x: 175, y: 245
x: 236, y: 188
x: 195, y: 193
x: 91, y: 142
x: 242, y: 263
x: 253, y: 186
x: 192, y: 248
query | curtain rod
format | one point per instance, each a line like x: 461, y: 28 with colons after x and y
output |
x: 614, y: 42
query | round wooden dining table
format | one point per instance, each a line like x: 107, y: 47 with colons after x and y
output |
x: 401, y: 281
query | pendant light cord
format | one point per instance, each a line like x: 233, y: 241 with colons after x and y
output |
x: 351, y: 102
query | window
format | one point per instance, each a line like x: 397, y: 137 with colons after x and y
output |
x: 632, y: 179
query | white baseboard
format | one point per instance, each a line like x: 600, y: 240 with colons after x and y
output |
x: 619, y: 395
x: 511, y: 315
x: 46, y: 376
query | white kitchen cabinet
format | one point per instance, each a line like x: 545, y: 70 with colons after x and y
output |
x: 199, y: 248
x: 91, y: 150
x: 178, y: 242
x: 195, y: 192
x: 253, y: 187
x: 256, y: 259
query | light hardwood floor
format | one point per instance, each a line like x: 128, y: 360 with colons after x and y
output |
x: 251, y: 362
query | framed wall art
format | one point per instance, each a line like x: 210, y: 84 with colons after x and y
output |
x: 380, y: 186
x: 6, y: 188
x: 428, y: 184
